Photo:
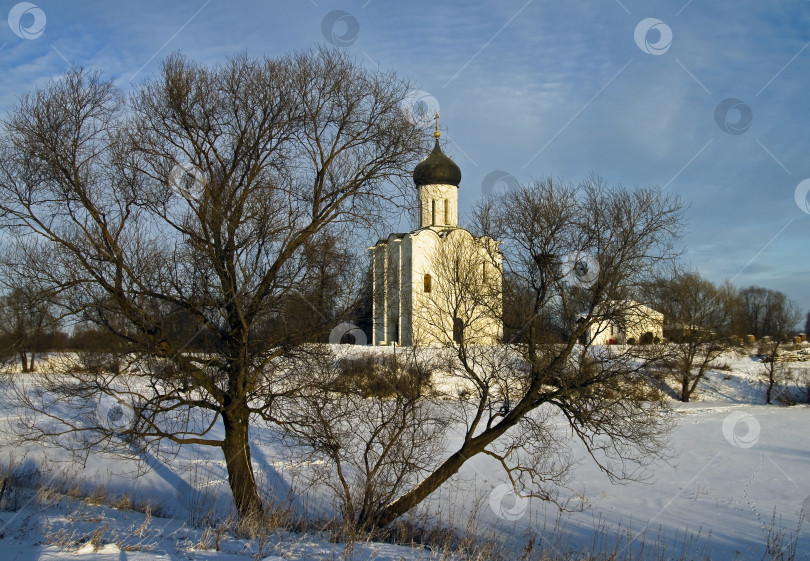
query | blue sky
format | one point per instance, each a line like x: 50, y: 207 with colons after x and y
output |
x: 530, y: 88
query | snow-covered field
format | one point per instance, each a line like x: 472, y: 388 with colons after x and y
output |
x: 741, y: 470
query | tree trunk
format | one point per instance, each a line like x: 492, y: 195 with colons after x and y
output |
x: 685, y: 393
x: 24, y: 360
x: 419, y: 493
x: 236, y: 448
x: 771, y: 366
x: 449, y: 467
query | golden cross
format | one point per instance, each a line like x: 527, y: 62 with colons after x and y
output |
x: 437, y: 133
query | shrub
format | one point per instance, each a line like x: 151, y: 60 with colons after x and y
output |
x: 380, y: 376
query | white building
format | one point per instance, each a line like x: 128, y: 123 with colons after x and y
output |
x: 438, y: 283
x: 629, y: 322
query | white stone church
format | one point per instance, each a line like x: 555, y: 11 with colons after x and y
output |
x: 439, y: 284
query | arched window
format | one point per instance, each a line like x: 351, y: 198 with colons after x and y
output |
x: 433, y: 213
x: 446, y: 212
x: 484, y: 270
x: 428, y: 283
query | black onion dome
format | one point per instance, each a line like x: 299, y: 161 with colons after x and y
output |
x: 437, y: 169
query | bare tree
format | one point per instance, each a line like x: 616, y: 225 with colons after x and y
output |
x: 26, y: 318
x: 330, y: 277
x: 764, y: 312
x: 190, y: 203
x: 366, y: 429
x: 697, y: 317
x: 781, y: 315
x: 577, y: 254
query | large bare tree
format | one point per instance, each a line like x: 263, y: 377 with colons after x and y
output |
x: 578, y: 254
x: 178, y: 218
x: 574, y: 255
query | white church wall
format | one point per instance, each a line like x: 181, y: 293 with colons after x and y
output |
x: 424, y: 330
x: 476, y: 302
x: 380, y: 295
x: 406, y: 291
x: 393, y: 290
x: 405, y: 313
x: 482, y: 309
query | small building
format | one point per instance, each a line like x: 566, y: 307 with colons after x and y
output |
x: 415, y: 300
x: 626, y: 322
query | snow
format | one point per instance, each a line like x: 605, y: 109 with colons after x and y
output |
x: 739, y: 468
